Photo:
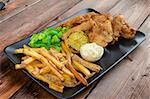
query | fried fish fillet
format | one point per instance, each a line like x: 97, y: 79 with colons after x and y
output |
x: 78, y: 20
x: 121, y: 28
x: 82, y: 27
x: 101, y: 33
x: 102, y: 29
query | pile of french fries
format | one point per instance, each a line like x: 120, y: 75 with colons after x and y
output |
x: 57, y: 69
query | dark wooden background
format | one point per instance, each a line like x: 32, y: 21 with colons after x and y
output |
x: 20, y: 18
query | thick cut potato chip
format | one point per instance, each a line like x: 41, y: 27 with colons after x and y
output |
x: 87, y: 64
x: 81, y: 68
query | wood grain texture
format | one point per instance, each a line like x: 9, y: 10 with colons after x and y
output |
x: 15, y: 28
x: 99, y: 5
x: 10, y: 80
x: 135, y: 12
x: 14, y: 7
x: 31, y: 91
x: 10, y: 83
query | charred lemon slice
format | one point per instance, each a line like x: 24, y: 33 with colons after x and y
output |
x: 77, y: 39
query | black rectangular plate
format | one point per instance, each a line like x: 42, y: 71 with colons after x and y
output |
x: 113, y: 55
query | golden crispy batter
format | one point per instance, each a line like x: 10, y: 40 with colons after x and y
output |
x: 82, y: 27
x: 101, y: 33
x: 121, y: 28
x: 78, y: 20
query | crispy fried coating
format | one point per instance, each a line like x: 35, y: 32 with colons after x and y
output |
x: 102, y: 29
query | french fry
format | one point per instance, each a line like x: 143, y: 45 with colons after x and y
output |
x: 45, y: 70
x: 92, y: 74
x: 69, y: 82
x: 55, y: 68
x: 18, y: 66
x: 39, y: 57
x: 67, y: 51
x: 75, y: 67
x: 56, y: 53
x: 53, y: 54
x: 63, y: 59
x: 79, y: 77
x: 66, y: 77
x: 62, y: 51
x: 81, y: 68
x: 58, y: 88
x: 87, y: 77
x: 66, y: 48
x: 64, y: 62
x: 24, y: 63
x: 45, y: 53
x: 87, y: 64
x: 60, y: 55
x: 30, y: 69
x: 36, y: 70
x: 39, y: 65
x: 20, y: 50
x: 65, y: 70
x: 25, y: 46
x: 35, y: 49
x: 53, y: 65
x: 28, y: 61
x: 25, y: 57
x: 52, y: 85
x: 53, y: 78
x: 54, y: 50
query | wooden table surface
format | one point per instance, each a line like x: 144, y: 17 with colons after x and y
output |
x: 130, y: 79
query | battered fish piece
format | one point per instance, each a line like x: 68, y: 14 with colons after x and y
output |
x: 121, y: 28
x: 78, y: 20
x: 102, y: 29
x: 82, y: 27
x: 101, y: 33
